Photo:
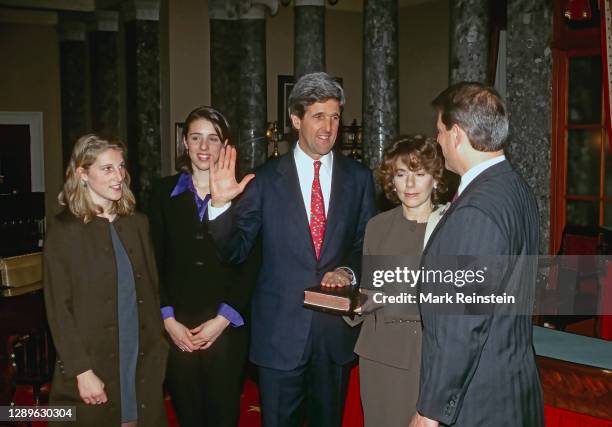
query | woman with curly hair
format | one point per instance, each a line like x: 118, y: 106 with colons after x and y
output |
x: 389, y: 343
x: 101, y: 295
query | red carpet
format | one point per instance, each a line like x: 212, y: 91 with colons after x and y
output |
x: 250, y: 412
x: 249, y: 406
x: 353, y: 416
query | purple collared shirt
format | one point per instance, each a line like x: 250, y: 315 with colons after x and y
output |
x: 183, y: 184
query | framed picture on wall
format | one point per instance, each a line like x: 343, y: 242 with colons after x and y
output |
x: 179, y: 148
x: 285, y: 85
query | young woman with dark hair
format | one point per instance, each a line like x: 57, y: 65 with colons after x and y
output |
x: 203, y: 301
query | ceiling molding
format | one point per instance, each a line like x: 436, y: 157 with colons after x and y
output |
x: 63, y: 5
x: 92, y: 5
x: 31, y: 17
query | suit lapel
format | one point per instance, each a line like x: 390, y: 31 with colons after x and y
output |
x: 441, y: 223
x: 501, y: 167
x: 186, y: 205
x: 340, y: 186
x: 183, y: 205
x: 288, y: 186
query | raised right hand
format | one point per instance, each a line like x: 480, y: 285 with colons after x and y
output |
x: 180, y: 334
x: 223, y: 185
x: 91, y: 388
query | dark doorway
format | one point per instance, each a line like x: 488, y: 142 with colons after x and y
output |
x: 15, y: 168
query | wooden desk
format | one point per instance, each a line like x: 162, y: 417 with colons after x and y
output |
x: 575, y: 371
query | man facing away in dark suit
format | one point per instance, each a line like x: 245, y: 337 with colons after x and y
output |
x: 479, y: 369
x: 310, y: 207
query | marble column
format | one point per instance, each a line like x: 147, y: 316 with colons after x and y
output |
x: 380, y: 82
x: 224, y: 60
x: 238, y: 73
x: 143, y: 95
x: 529, y: 86
x: 104, y: 66
x: 252, y: 142
x: 308, y: 37
x: 469, y: 40
x: 73, y: 82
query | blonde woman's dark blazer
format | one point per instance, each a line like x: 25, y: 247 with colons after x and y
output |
x: 81, y: 300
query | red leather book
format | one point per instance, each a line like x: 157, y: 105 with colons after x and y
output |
x: 342, y: 300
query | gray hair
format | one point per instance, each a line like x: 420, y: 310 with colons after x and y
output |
x: 311, y: 88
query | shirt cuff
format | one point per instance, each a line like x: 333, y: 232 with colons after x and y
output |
x: 230, y: 314
x: 214, y: 212
x: 351, y: 272
x: 167, y: 311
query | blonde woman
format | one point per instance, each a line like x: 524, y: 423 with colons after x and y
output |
x: 101, y: 295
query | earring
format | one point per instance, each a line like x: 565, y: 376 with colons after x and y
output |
x: 84, y: 184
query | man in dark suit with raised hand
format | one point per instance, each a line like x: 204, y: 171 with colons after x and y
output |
x: 479, y: 369
x: 310, y: 208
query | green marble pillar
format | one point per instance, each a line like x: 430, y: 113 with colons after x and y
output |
x: 104, y: 65
x: 143, y: 95
x: 252, y: 142
x: 469, y: 42
x: 529, y: 87
x: 225, y: 40
x: 309, y: 37
x: 238, y: 73
x: 74, y: 84
x: 380, y: 82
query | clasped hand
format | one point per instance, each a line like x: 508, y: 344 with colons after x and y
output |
x: 198, y: 338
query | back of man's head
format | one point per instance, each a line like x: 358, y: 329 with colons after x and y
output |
x: 477, y: 109
x: 311, y: 88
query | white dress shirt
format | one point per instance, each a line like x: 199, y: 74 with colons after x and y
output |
x: 305, y: 171
x: 472, y: 173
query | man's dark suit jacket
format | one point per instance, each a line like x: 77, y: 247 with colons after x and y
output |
x: 480, y: 370
x: 272, y: 206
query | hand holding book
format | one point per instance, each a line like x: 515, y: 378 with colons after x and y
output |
x: 368, y: 305
x: 335, y: 294
x: 338, y: 278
